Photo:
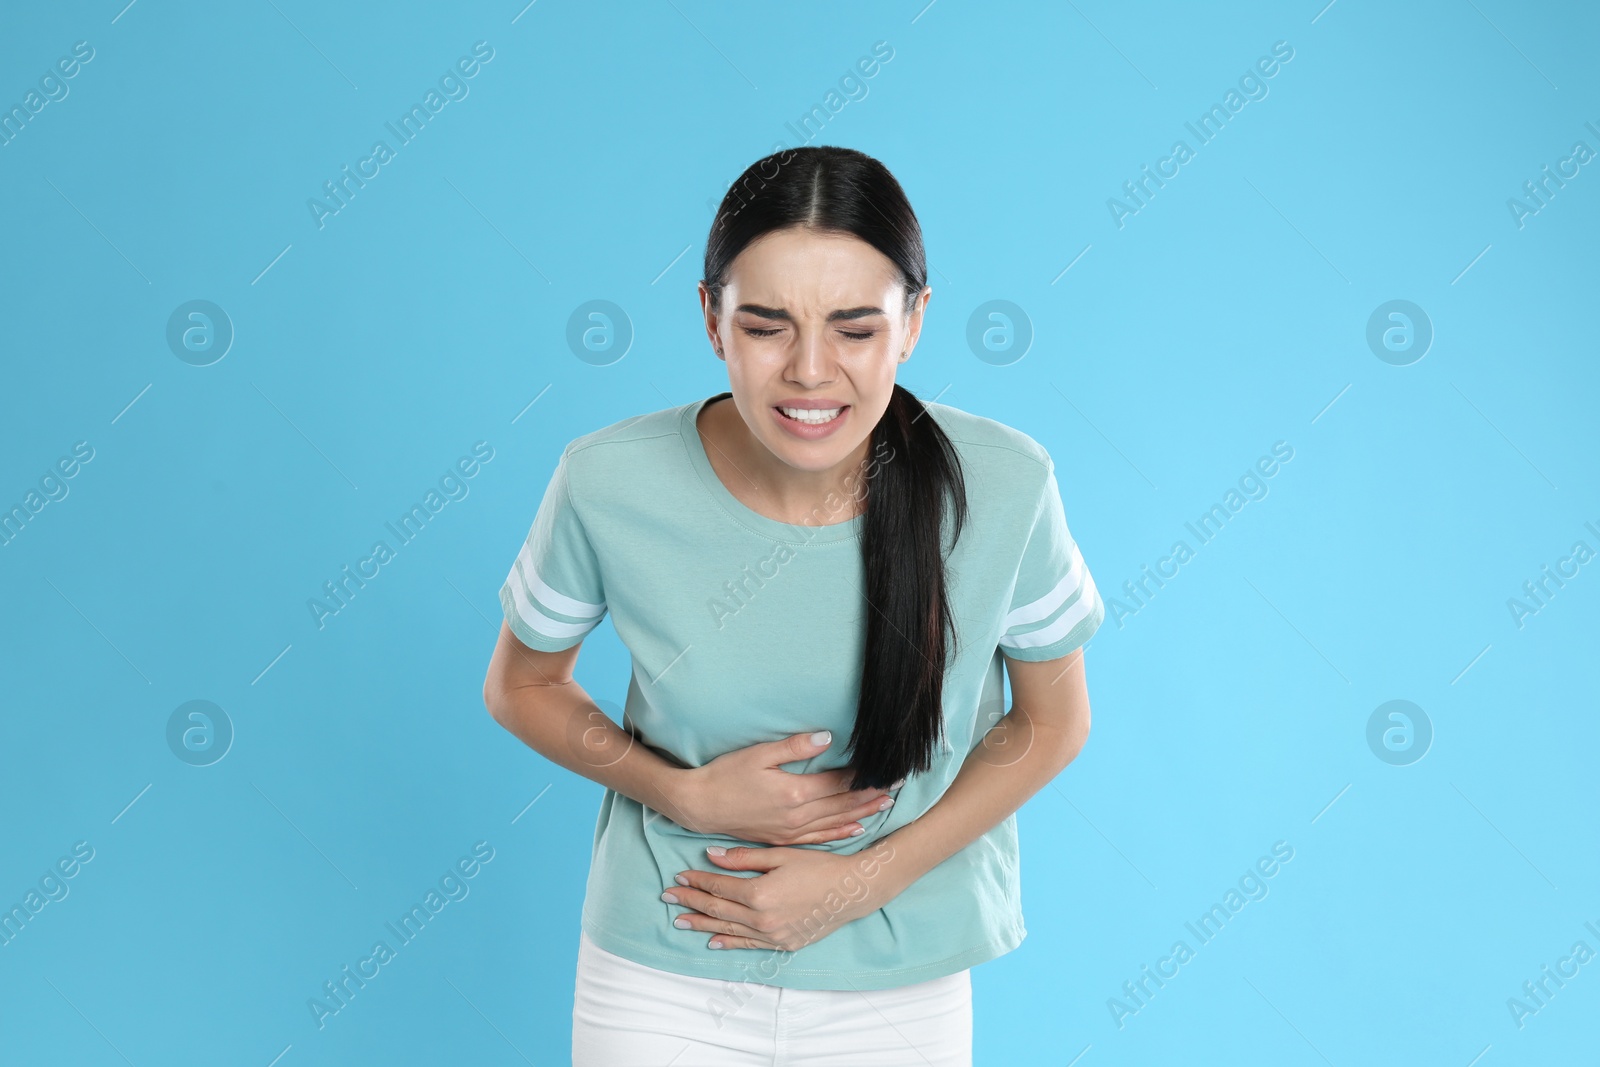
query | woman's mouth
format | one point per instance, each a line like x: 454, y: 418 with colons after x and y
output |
x: 811, y: 416
x: 810, y: 424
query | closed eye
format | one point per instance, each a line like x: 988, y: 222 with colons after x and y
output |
x: 854, y: 336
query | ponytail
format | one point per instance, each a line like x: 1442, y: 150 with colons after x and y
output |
x: 910, y: 629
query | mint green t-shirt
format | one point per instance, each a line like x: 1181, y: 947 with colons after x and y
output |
x: 745, y: 629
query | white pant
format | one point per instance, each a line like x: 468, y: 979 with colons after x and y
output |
x: 626, y: 1014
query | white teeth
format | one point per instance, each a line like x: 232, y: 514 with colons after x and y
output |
x: 814, y: 416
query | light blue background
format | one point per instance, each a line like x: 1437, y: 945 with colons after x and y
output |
x: 1230, y: 313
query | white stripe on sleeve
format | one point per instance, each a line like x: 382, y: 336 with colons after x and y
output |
x: 540, y: 623
x: 1046, y: 605
x: 557, y: 602
x: 1080, y: 610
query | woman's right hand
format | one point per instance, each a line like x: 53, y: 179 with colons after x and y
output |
x: 744, y: 794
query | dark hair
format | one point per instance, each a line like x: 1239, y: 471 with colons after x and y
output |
x: 900, y: 710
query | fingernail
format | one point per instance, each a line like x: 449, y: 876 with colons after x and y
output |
x: 822, y: 737
x: 680, y: 879
x: 669, y: 898
x: 715, y: 850
x: 888, y: 802
x: 858, y: 831
x: 716, y: 944
x: 682, y: 924
x: 898, y: 784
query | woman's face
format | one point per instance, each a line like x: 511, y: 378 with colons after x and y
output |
x: 814, y: 321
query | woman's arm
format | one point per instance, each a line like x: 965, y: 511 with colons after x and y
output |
x: 533, y: 695
x: 1032, y: 743
x: 739, y: 794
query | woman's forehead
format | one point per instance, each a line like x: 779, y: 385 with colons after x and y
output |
x: 812, y: 277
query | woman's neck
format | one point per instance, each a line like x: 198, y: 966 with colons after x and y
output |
x: 770, y: 487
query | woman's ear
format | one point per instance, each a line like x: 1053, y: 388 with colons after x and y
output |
x: 713, y: 325
x: 914, y: 321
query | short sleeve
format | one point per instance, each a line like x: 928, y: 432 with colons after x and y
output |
x: 1055, y: 606
x: 553, y: 596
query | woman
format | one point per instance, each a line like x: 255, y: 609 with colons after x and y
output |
x: 808, y: 834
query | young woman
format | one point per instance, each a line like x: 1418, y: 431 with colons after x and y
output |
x: 808, y: 835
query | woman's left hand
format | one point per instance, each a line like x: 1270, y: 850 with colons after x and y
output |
x: 803, y: 895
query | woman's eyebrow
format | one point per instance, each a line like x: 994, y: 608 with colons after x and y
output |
x: 835, y: 316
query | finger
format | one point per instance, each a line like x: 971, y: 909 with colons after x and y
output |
x: 831, y: 829
x: 820, y: 837
x: 705, y: 924
x: 836, y: 787
x: 710, y: 904
x: 827, y: 793
x: 734, y: 941
x: 746, y: 858
x: 798, y: 747
x: 831, y: 787
x: 837, y: 798
x: 878, y: 803
x: 826, y: 815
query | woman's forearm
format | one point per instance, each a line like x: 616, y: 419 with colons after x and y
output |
x: 992, y: 784
x: 561, y: 723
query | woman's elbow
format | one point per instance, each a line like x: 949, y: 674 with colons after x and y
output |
x: 1073, y: 738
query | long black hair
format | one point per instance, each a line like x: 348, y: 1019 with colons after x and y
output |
x: 910, y: 629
